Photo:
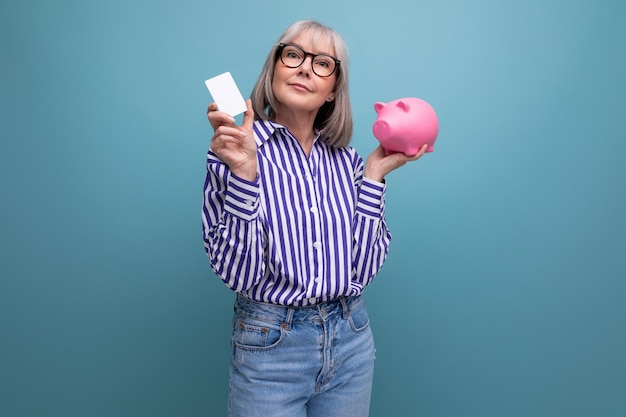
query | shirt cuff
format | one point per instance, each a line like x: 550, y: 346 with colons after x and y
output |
x: 355, y: 288
x: 242, y: 197
x: 371, y: 198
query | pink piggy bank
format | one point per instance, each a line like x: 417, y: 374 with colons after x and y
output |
x: 405, y: 125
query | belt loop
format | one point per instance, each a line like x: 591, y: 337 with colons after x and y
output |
x: 288, y: 319
x: 345, y: 308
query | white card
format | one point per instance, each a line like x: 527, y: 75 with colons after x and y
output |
x: 226, y: 94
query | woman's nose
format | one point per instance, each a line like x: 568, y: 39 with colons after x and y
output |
x: 307, y: 65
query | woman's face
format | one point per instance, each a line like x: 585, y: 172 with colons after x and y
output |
x: 300, y: 89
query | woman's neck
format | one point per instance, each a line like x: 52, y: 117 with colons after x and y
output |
x: 301, y: 126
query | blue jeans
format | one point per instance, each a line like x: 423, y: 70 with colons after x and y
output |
x: 315, y: 361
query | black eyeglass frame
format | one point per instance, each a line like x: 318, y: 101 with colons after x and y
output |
x: 279, y: 53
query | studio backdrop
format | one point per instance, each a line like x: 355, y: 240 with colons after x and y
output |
x: 503, y: 293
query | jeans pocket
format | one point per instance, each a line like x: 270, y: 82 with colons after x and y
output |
x: 255, y: 334
x: 359, y: 319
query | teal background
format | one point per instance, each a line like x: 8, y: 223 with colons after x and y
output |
x: 504, y: 292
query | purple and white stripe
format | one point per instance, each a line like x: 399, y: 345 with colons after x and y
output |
x: 306, y: 230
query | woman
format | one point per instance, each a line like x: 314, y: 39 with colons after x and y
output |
x: 293, y: 222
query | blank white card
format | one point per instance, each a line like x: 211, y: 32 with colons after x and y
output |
x: 226, y: 94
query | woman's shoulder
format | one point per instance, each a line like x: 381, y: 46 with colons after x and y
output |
x: 347, y: 153
x: 345, y: 150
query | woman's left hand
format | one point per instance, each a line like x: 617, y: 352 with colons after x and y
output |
x: 378, y: 164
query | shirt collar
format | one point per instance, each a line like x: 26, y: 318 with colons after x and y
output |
x: 264, y: 130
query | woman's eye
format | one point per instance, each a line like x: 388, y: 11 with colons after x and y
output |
x: 324, y: 64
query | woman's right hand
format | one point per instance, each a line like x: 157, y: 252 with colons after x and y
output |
x: 235, y: 145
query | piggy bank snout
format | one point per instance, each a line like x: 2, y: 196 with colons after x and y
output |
x: 382, y: 130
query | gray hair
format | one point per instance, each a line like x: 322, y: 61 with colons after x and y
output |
x: 334, y: 117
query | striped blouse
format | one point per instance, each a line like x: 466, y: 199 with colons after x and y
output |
x: 305, y: 231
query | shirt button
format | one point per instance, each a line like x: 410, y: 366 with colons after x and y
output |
x: 318, y: 279
x: 313, y: 209
x: 317, y: 245
x: 249, y: 202
x: 312, y: 300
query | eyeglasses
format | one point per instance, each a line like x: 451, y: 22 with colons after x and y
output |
x: 293, y: 56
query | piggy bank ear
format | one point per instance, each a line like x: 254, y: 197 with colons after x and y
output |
x: 403, y: 105
x: 378, y: 106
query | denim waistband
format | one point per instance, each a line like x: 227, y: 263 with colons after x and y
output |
x: 290, y: 314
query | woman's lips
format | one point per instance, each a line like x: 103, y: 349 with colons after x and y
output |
x: 300, y: 87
